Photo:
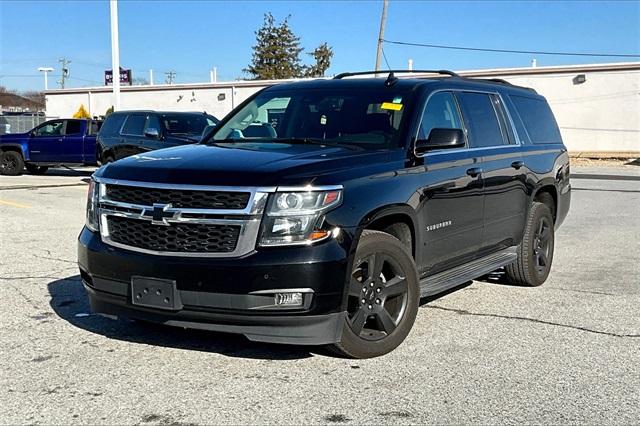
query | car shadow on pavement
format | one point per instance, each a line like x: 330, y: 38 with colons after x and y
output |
x: 69, y: 301
x: 64, y: 171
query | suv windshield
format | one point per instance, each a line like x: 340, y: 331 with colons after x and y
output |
x: 368, y: 119
x: 187, y: 124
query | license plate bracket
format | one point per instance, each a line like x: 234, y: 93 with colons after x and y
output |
x: 155, y: 293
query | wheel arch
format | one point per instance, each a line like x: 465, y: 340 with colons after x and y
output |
x: 385, y: 216
x: 547, y: 193
x: 19, y: 148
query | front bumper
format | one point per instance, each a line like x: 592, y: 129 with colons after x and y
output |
x: 215, y: 292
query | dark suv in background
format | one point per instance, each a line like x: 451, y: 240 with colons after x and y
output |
x: 125, y: 133
x: 320, y: 212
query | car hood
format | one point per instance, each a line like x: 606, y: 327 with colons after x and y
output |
x: 11, y: 137
x: 243, y: 164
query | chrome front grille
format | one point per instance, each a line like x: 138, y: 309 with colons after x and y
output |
x: 180, y: 220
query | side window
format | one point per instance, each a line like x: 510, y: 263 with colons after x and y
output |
x: 537, y: 119
x: 480, y: 119
x: 153, y: 123
x: 73, y: 128
x: 112, y: 125
x: 440, y: 113
x: 53, y: 128
x: 134, y: 125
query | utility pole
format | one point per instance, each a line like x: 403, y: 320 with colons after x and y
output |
x: 45, y: 70
x: 383, y: 21
x: 151, y: 77
x: 65, y: 71
x: 115, y: 55
x: 171, y: 75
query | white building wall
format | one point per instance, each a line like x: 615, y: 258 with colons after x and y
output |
x: 600, y: 115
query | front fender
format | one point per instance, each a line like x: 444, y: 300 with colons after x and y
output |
x: 21, y: 147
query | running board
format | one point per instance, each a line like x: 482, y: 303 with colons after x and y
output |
x: 443, y: 281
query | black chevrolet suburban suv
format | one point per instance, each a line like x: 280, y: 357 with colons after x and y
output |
x: 125, y: 133
x: 321, y: 212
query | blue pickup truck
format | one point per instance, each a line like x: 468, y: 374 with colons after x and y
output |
x: 52, y: 143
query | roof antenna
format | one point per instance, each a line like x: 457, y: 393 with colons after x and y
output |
x: 391, y: 80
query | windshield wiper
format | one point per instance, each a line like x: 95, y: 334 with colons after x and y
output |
x: 318, y: 141
x: 179, y: 136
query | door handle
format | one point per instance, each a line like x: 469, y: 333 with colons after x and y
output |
x: 517, y: 164
x: 474, y: 171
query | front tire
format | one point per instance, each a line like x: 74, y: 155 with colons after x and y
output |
x: 36, y: 170
x: 535, y: 252
x: 383, y: 299
x: 11, y: 163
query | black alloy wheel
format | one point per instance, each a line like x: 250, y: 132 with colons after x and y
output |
x: 535, y: 252
x: 542, y: 246
x: 378, y: 297
x: 11, y: 163
x: 383, y: 295
x: 36, y: 170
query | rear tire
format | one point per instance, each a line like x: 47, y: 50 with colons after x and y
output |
x: 383, y: 297
x: 535, y: 252
x: 11, y: 163
x: 36, y: 170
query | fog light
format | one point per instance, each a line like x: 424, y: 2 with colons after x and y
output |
x: 289, y: 299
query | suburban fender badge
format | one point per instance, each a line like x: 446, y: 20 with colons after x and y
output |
x: 438, y: 225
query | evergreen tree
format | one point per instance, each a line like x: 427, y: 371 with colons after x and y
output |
x: 322, y: 55
x: 276, y: 54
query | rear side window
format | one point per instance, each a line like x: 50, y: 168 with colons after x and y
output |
x: 134, y: 125
x: 538, y: 119
x: 112, y: 124
x: 440, y: 113
x: 480, y: 119
x: 73, y: 128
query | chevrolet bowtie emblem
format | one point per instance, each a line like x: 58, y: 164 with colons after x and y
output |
x: 160, y: 214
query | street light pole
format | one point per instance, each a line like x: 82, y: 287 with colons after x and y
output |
x: 45, y: 70
x: 115, y: 54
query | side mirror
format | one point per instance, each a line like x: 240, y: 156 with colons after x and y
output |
x: 441, y: 139
x: 152, y: 133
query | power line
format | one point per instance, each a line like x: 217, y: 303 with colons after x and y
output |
x: 529, y: 52
x: 384, y: 55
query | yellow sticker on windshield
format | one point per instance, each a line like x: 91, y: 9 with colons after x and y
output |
x: 391, y: 106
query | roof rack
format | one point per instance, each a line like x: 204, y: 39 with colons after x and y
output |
x: 350, y: 74
x: 505, y: 82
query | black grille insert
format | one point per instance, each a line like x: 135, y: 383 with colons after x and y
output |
x: 188, y: 199
x: 181, y: 237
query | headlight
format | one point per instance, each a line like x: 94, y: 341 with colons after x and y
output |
x: 93, y: 217
x: 295, y: 218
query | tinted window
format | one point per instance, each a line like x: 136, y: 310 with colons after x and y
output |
x: 153, y: 123
x: 134, y: 125
x: 185, y: 124
x: 538, y: 119
x: 370, y: 119
x: 73, y: 127
x: 52, y: 128
x: 95, y: 127
x: 112, y: 124
x: 440, y: 113
x: 480, y: 119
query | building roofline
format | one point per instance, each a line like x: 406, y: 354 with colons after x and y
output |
x: 502, y: 72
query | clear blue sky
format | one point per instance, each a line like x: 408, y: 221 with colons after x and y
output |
x: 192, y: 36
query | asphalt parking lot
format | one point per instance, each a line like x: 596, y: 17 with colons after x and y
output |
x: 567, y: 352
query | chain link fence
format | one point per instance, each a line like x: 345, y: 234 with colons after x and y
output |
x: 20, y: 123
